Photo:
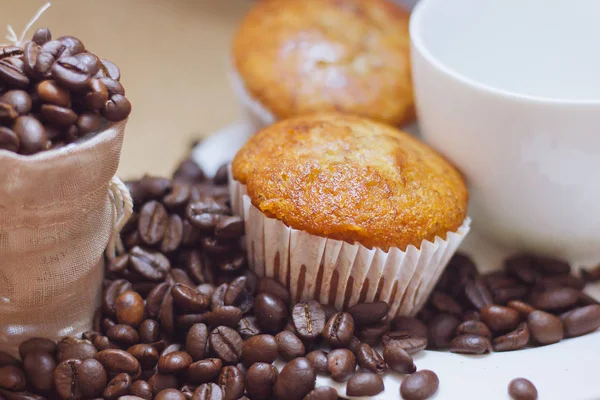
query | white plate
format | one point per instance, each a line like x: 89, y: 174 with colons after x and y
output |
x: 564, y: 371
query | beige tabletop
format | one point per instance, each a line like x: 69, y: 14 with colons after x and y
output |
x: 173, y: 58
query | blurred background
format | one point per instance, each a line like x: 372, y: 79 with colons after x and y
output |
x: 173, y: 57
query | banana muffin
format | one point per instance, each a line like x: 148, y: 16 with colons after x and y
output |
x: 294, y: 57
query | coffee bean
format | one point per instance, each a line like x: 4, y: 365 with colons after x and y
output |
x: 152, y: 223
x: 445, y: 304
x: 474, y: 328
x: 558, y: 281
x: 109, y: 299
x: 103, y: 343
x: 207, y: 289
x: 470, y: 344
x: 155, y: 299
x: 551, y: 266
x: 544, y: 327
x: 248, y: 327
x: 227, y: 344
x: 271, y: 313
x: 322, y: 393
x: 522, y: 389
x: 260, y: 348
x: 196, y: 341
x: 591, y: 275
x: 364, y: 384
x: 92, y: 378
x: 129, y: 308
x: 195, y: 266
x: 188, y: 171
x: 146, y: 354
x: 12, y: 76
x: 150, y: 264
x: 49, y: 91
x: 419, y: 385
x: 67, y: 381
x: 124, y: 335
x: 289, y: 345
x: 411, y: 325
x: 208, y: 391
x: 174, y: 362
x: 231, y: 381
x: 109, y: 69
x: 47, y: 55
x: 160, y: 382
x: 555, y: 299
x: 581, y: 321
x: 72, y: 45
x: 116, y: 108
x: 142, y: 389
x: 178, y: 197
x: 318, y: 359
x: 524, y: 309
x: 478, y: 294
x: 12, y: 378
x: 236, y: 262
x: 271, y: 286
x: 230, y: 227
x: 189, y: 299
x: 170, y: 394
x: 7, y: 359
x: 339, y: 330
x: 500, y: 319
x: 521, y: 268
x: 41, y: 345
x: 18, y: 99
x: 372, y: 333
x: 107, y: 323
x: 149, y: 331
x: 97, y: 94
x: 368, y: 313
x: 8, y: 139
x: 397, y: 358
x: 119, y: 386
x: 31, y: 133
x: 204, y: 214
x: 406, y: 340
x: 118, y: 361
x: 181, y: 277
x: 369, y: 359
x: 7, y: 113
x: 514, y: 340
x: 295, y: 380
x: 341, y: 364
x: 204, y: 370
x: 42, y: 36
x: 71, y: 73
x: 59, y: 116
x: 224, y: 315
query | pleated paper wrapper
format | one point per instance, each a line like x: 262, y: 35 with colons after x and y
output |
x: 56, y: 218
x: 339, y: 273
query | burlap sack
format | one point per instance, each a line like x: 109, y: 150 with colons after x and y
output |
x: 57, y: 213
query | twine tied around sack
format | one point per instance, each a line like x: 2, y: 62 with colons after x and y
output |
x: 123, y: 204
x: 19, y: 41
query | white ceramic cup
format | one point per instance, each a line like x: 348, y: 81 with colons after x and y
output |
x: 510, y: 92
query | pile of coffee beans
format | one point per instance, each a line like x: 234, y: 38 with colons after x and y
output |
x: 183, y: 318
x: 53, y: 92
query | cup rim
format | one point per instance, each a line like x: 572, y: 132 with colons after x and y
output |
x: 418, y: 44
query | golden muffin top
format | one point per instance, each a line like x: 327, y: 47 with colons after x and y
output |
x: 303, y: 56
x: 349, y: 178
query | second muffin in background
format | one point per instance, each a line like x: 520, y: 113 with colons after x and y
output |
x: 344, y: 209
x: 296, y: 57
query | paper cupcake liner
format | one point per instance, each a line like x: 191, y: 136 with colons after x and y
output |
x: 339, y: 273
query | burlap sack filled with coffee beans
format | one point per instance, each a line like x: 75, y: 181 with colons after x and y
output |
x: 56, y: 218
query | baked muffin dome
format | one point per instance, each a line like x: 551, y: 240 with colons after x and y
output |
x: 350, y: 178
x: 304, y: 56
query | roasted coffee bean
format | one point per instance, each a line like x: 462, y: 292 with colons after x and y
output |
x: 116, y: 108
x: 558, y: 281
x: 92, y: 378
x: 109, y: 299
x: 107, y: 323
x: 556, y: 299
x: 10, y: 51
x: 372, y: 333
x: 151, y: 265
x: 506, y: 292
x: 49, y: 91
x: 397, y: 358
x: 419, y: 385
x: 170, y: 394
x: 188, y: 171
x: 406, y: 340
x: 66, y: 379
x: 551, y: 266
x: 231, y: 381
x: 204, y: 214
x: 41, y: 345
x: 591, y: 275
x: 196, y: 341
x: 97, y: 94
x: 224, y: 315
x: 260, y: 348
x: 7, y: 359
x: 248, y: 327
x: 155, y: 299
x: 341, y: 364
x: 296, y: 380
x: 181, y: 277
x: 368, y: 313
x: 124, y: 335
x: 514, y: 340
x: 31, y: 133
x: 18, y: 99
x: 216, y: 246
x: 524, y: 309
x: 227, y: 344
x: 289, y: 345
x: 445, y: 304
x: 500, y: 319
x: 8, y: 139
x: 174, y: 362
x: 152, y: 223
x: 235, y: 263
x: 118, y: 361
x: 260, y: 380
x: 160, y: 382
x: 545, y: 328
x: 441, y: 330
x: 477, y: 294
x: 142, y: 389
x: 271, y: 313
x: 71, y: 73
x: 42, y: 36
x: 208, y: 391
x: 118, y: 264
x: 234, y: 291
x: 197, y: 269
x: 207, y: 289
x: 72, y: 45
x: 103, y: 343
x: 364, y: 384
x: 109, y: 69
x: 522, y: 389
x: 129, y: 308
x: 166, y: 315
x: 470, y: 344
x: 339, y: 330
x: 322, y: 393
x: 12, y: 75
x: 521, y: 268
x: 581, y: 321
x: 230, y: 227
x: 204, y: 370
x: 12, y: 378
x: 149, y: 331
x: 271, y: 286
x: 119, y: 386
x: 45, y: 58
x: 173, y: 235
x: 189, y: 299
x: 318, y: 359
x: 146, y: 354
x: 369, y: 359
x: 178, y: 197
x: 186, y: 321
x: 7, y: 113
x: 474, y: 328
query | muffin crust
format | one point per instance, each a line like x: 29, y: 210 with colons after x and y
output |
x: 353, y: 179
x: 303, y: 56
